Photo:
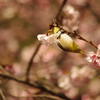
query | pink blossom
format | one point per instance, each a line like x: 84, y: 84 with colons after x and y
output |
x: 77, y: 76
x: 9, y: 68
x: 48, y: 40
x: 94, y: 58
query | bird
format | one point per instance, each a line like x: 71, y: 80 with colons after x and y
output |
x: 64, y: 41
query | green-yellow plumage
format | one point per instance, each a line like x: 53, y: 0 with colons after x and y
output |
x: 65, y: 42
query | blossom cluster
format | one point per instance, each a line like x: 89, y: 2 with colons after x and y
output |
x: 94, y: 58
x: 48, y: 40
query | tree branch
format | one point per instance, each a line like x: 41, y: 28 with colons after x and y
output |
x: 1, y: 93
x: 30, y: 62
x: 59, y: 12
x: 81, y: 38
x: 37, y: 85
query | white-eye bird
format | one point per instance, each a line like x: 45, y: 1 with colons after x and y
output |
x: 57, y: 35
x: 65, y: 42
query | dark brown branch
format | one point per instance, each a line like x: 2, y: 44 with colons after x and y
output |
x: 64, y: 2
x: 33, y: 84
x: 80, y: 37
x: 31, y: 61
x: 1, y: 93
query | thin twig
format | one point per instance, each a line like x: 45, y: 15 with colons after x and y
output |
x: 33, y: 84
x: 64, y: 2
x: 1, y: 93
x: 81, y: 38
x: 31, y: 61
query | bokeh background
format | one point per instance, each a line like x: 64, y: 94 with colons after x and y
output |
x: 20, y: 23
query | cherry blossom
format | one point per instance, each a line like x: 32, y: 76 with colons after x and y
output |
x: 48, y: 39
x: 94, y: 58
